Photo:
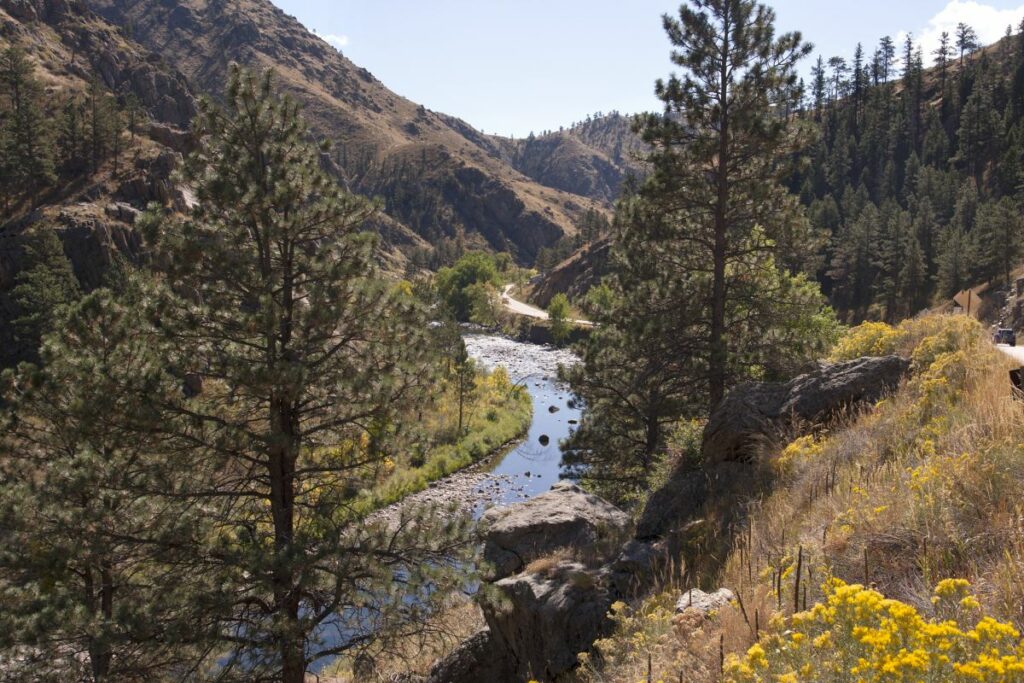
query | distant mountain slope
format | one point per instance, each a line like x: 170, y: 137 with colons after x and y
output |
x: 436, y: 174
x: 70, y: 50
x: 591, y: 158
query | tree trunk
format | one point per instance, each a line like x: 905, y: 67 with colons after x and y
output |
x: 718, y: 357
x: 283, y: 454
x: 100, y: 599
x: 652, y: 441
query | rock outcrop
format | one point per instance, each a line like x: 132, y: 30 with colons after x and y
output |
x: 478, y: 658
x: 754, y: 415
x: 544, y: 620
x: 756, y: 411
x: 564, y: 517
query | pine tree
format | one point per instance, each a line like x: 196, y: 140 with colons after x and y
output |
x: 966, y: 40
x: 464, y: 376
x: 997, y: 240
x: 44, y: 284
x: 885, y: 57
x: 28, y: 153
x: 979, y: 125
x: 92, y: 578
x: 71, y: 141
x: 839, y: 71
x: 695, y: 254
x: 818, y: 74
x: 954, y: 265
x: 105, y: 126
x: 942, y: 55
x: 312, y: 360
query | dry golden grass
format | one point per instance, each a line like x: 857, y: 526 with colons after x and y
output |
x: 926, y: 485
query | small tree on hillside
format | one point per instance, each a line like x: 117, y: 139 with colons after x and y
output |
x: 28, y: 145
x: 966, y: 40
x: 464, y: 377
x: 997, y: 240
x: 558, y: 315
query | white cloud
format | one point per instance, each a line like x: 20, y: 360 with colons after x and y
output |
x: 338, y: 41
x: 990, y: 24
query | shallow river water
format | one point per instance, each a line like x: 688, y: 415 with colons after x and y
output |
x: 534, y: 465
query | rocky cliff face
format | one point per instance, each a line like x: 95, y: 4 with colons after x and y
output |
x: 575, y: 276
x: 439, y: 177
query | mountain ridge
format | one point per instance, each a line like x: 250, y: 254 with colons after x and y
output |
x: 437, y: 175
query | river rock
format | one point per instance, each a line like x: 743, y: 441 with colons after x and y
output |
x: 758, y: 411
x: 543, y: 620
x: 564, y: 517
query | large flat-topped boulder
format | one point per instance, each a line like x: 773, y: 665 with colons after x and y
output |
x: 566, y: 517
x: 757, y: 411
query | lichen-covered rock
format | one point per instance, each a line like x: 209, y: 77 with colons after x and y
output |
x: 564, y: 517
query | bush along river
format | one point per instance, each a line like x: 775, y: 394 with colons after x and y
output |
x: 534, y: 465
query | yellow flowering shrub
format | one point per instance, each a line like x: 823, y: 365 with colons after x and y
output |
x: 856, y: 634
x: 638, y: 631
x: 866, y: 339
x: 800, y: 450
x: 922, y: 339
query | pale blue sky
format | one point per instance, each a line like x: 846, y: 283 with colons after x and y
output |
x: 515, y: 66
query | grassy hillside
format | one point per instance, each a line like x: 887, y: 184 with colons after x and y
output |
x: 888, y: 548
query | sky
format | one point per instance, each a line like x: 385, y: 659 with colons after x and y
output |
x: 513, y: 67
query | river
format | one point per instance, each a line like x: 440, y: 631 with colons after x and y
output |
x: 534, y: 464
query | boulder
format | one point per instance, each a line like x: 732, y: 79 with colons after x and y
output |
x: 564, y: 517
x: 478, y: 658
x: 544, y: 620
x: 704, y: 603
x: 638, y: 567
x: 758, y: 411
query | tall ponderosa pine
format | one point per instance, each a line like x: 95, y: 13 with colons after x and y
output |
x: 717, y: 151
x: 704, y: 299
x: 310, y: 362
x: 93, y: 580
x: 966, y: 40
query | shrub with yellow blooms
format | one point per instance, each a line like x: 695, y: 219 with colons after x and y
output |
x: 856, y: 634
